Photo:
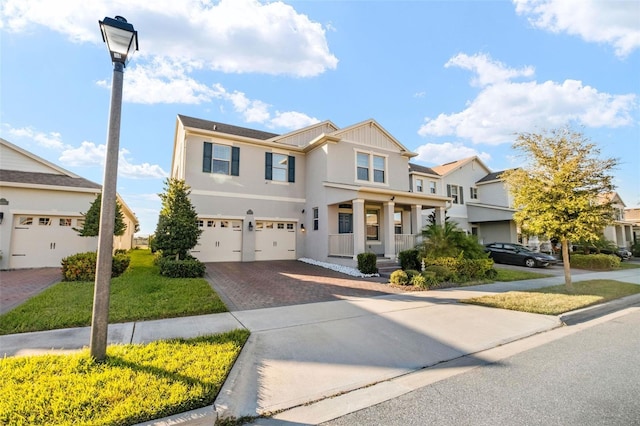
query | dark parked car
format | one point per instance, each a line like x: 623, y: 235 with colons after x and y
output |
x: 517, y: 254
x: 621, y: 252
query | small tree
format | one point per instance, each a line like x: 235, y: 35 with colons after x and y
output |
x: 177, y: 231
x: 91, y: 225
x: 561, y: 191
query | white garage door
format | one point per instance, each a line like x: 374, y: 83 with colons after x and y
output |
x: 275, y: 240
x: 43, y: 241
x: 220, y: 241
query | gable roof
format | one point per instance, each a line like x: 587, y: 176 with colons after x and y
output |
x: 447, y: 168
x: 371, y: 123
x: 214, y: 126
x: 491, y: 177
x: 416, y: 168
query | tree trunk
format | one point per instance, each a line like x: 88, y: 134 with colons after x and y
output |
x: 567, y: 265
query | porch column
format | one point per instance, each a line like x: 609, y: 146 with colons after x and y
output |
x: 416, y: 219
x: 440, y: 215
x: 389, y: 231
x: 359, y: 227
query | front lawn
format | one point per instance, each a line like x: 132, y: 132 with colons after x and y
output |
x: 556, y: 300
x: 135, y: 383
x: 138, y: 294
x: 516, y: 275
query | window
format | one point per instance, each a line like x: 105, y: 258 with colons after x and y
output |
x: 455, y: 192
x: 432, y: 187
x: 473, y: 193
x: 378, y: 169
x: 200, y: 223
x: 65, y: 221
x: 366, y: 162
x: 24, y: 220
x: 315, y: 219
x: 373, y: 225
x: 211, y: 223
x: 44, y: 221
x: 221, y: 159
x: 289, y: 226
x: 397, y: 222
x: 280, y: 167
x: 419, y: 185
x: 281, y: 226
x: 363, y: 166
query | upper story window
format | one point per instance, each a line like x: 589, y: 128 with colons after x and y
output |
x: 455, y: 192
x: 432, y: 187
x: 473, y: 193
x: 419, y: 185
x: 280, y: 167
x: 315, y: 218
x: 369, y: 165
x: 221, y: 159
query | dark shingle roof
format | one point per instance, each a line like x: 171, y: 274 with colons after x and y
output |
x: 491, y: 177
x: 46, y: 179
x: 421, y: 169
x: 199, y: 123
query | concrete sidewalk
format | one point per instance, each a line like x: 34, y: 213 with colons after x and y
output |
x: 305, y: 353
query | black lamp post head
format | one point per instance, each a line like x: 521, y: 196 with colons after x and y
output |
x: 121, y: 38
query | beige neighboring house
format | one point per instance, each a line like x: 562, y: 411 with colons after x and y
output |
x: 40, y: 203
x: 621, y: 231
x: 321, y: 192
x: 632, y: 216
x: 480, y: 202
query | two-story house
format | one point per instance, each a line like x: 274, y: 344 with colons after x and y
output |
x: 320, y: 192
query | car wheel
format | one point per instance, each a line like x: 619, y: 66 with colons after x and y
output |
x: 529, y: 262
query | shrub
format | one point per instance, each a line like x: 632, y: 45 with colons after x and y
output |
x: 367, y: 263
x: 595, y: 261
x: 409, y: 259
x: 442, y: 272
x: 82, y: 266
x: 184, y: 268
x: 491, y: 274
x: 418, y: 281
x: 411, y: 273
x: 635, y: 249
x: 120, y: 251
x: 463, y: 269
x: 399, y: 277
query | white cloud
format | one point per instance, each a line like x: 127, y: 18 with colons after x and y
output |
x: 612, y: 22
x: 228, y: 35
x: 503, y: 108
x: 51, y: 140
x: 442, y: 153
x: 486, y: 69
x: 292, y: 120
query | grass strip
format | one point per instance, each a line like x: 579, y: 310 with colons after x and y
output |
x: 141, y: 293
x: 505, y: 275
x: 135, y: 383
x: 557, y: 300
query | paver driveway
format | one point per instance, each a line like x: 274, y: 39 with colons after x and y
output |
x: 255, y: 285
x: 18, y: 285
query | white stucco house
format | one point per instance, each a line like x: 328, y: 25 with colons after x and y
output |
x: 40, y: 203
x: 324, y: 192
x: 621, y: 230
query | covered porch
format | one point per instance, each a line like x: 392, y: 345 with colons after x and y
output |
x: 384, y: 222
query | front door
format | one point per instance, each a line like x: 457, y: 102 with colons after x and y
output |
x: 345, y: 223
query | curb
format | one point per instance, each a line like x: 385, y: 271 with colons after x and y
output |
x: 590, y: 312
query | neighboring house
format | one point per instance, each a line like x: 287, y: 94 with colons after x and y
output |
x: 621, y: 231
x: 40, y: 203
x: 320, y: 192
x: 480, y: 203
x: 632, y: 216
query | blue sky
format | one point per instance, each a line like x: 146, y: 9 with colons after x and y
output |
x: 449, y: 79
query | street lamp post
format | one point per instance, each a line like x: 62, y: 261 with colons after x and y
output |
x: 122, y: 41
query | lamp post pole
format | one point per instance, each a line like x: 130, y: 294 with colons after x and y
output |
x: 120, y: 38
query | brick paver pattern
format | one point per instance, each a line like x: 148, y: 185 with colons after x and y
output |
x: 18, y: 285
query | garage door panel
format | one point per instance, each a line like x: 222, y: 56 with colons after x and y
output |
x: 275, y: 240
x: 220, y: 241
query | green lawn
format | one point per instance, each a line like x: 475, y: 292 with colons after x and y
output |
x: 135, y: 383
x: 556, y: 300
x: 513, y: 275
x: 139, y: 294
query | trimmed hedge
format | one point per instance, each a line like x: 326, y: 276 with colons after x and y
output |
x: 183, y: 268
x: 409, y: 259
x: 82, y: 266
x: 600, y: 262
x: 367, y: 263
x: 463, y: 269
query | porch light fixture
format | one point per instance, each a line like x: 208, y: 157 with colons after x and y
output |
x: 302, y: 227
x: 250, y: 226
x: 1, y: 217
x: 122, y: 41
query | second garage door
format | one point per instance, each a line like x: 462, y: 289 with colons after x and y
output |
x: 275, y: 240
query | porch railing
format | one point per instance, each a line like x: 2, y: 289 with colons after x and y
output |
x: 406, y: 241
x: 340, y: 244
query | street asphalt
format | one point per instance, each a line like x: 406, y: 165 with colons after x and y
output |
x: 307, y: 364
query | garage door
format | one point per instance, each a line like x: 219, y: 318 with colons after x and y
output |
x: 275, y: 240
x: 43, y: 241
x: 220, y: 241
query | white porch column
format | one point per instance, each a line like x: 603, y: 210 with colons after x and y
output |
x: 440, y: 215
x: 389, y: 231
x: 359, y: 228
x: 416, y: 219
